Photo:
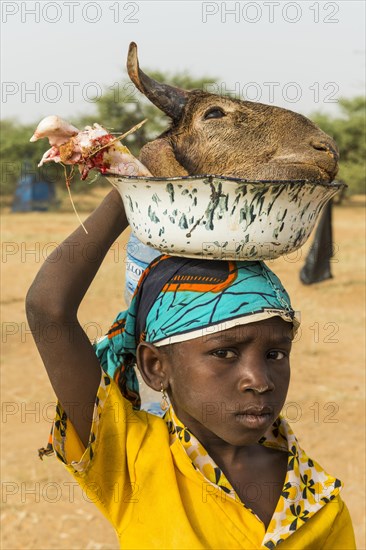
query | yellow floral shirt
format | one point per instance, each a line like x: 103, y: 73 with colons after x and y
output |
x: 306, y: 489
x: 151, y: 482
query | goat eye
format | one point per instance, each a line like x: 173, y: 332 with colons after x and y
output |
x: 214, y: 113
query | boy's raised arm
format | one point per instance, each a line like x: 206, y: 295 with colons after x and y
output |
x: 52, y: 303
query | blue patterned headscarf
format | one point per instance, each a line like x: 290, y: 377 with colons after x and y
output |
x: 178, y: 299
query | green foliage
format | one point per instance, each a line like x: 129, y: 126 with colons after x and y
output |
x: 124, y: 106
x: 348, y: 130
x: 19, y: 157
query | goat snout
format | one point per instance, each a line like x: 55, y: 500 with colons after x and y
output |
x: 327, y: 146
x: 325, y: 155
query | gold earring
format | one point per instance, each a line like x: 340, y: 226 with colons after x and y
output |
x: 164, y: 404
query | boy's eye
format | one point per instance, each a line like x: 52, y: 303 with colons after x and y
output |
x: 276, y: 355
x: 224, y: 354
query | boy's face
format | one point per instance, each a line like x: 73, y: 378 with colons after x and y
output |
x: 231, y: 385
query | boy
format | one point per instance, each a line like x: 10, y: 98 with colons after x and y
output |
x: 223, y: 468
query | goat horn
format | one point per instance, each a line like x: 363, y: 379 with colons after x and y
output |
x: 167, y: 98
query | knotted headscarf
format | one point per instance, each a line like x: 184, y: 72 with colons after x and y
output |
x: 178, y: 299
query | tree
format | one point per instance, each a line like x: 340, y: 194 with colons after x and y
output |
x: 19, y: 157
x: 124, y: 107
x: 348, y: 130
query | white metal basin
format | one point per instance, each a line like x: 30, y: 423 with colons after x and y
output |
x: 217, y: 217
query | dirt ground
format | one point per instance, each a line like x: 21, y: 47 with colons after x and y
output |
x: 42, y: 507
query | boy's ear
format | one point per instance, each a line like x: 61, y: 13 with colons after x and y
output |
x: 152, y: 364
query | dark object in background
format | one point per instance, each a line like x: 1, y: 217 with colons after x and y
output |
x: 341, y: 195
x: 317, y: 263
x: 32, y: 194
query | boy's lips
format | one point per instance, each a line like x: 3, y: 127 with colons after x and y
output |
x: 255, y: 416
x: 256, y: 410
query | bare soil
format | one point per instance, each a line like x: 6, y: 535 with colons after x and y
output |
x: 43, y: 508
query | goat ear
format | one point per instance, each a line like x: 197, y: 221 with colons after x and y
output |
x: 159, y: 157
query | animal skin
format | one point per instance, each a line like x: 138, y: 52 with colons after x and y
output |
x: 92, y: 148
x: 211, y: 134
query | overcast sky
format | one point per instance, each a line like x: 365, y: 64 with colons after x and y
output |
x: 301, y: 55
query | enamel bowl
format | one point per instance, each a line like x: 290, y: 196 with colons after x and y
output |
x: 222, y: 218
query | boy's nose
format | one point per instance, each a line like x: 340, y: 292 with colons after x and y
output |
x: 256, y: 378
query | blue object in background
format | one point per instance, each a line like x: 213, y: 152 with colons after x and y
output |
x: 32, y: 194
